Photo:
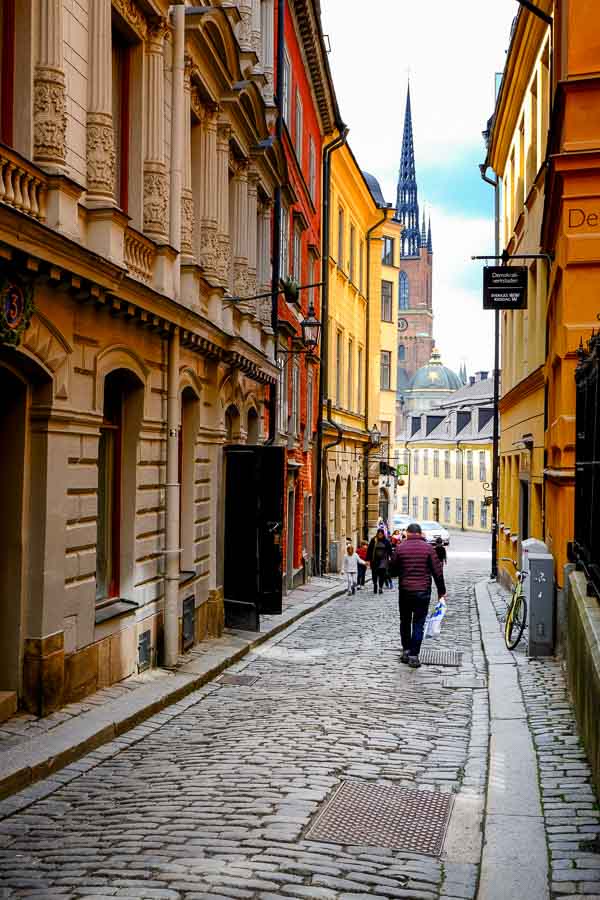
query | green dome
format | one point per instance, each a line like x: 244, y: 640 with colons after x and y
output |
x: 435, y: 376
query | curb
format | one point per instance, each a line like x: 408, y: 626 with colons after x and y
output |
x: 37, y: 759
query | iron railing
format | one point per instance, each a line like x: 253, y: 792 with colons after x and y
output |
x: 585, y: 550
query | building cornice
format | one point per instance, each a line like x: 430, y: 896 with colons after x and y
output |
x: 529, y: 385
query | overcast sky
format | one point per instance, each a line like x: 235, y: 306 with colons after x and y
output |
x: 452, y: 51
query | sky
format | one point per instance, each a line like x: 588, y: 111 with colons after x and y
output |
x: 451, y: 52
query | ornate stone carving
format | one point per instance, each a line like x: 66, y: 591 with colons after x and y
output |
x: 100, y: 154
x: 156, y: 202
x: 187, y: 223
x: 50, y: 118
x: 208, y: 248
x: 196, y: 104
x: 223, y: 258
x: 240, y: 280
x: 245, y: 29
x: 132, y: 15
x: 158, y: 29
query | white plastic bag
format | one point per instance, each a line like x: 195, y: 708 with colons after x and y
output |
x: 433, y: 625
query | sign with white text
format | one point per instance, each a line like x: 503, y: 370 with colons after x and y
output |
x: 505, y: 287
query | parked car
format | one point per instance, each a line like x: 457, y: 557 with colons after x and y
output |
x: 433, y: 530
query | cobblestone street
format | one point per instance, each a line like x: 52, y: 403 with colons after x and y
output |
x: 211, y: 798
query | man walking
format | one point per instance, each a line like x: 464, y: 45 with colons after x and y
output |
x: 415, y: 563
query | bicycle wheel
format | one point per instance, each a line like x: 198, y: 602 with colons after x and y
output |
x: 515, y: 621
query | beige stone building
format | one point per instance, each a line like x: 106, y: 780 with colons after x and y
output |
x: 136, y: 184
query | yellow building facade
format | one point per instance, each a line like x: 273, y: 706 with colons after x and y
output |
x: 361, y: 357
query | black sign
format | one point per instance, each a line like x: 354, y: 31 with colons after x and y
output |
x: 505, y: 287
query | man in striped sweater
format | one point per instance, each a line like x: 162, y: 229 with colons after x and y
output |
x: 416, y: 565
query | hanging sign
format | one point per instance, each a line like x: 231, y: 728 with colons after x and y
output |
x: 505, y: 287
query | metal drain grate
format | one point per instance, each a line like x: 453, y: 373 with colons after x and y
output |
x: 440, y: 657
x: 384, y: 816
x: 243, y: 680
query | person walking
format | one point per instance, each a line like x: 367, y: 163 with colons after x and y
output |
x: 350, y: 568
x: 362, y: 564
x: 440, y: 551
x: 379, y: 554
x: 415, y: 563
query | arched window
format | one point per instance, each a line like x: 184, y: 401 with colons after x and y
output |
x: 401, y: 353
x: 403, y: 291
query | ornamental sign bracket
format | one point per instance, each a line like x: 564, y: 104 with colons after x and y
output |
x: 505, y: 287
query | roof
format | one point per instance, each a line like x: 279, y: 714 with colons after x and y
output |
x: 453, y: 429
x: 471, y: 394
x: 435, y: 376
x: 375, y: 189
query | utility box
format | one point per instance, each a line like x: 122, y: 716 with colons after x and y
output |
x: 531, y: 545
x: 539, y: 592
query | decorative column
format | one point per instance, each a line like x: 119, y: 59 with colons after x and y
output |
x: 245, y: 26
x: 252, y: 240
x: 222, y: 182
x: 264, y: 268
x: 156, y: 187
x: 49, y: 115
x: 239, y: 229
x: 256, y: 26
x: 187, y: 199
x: 267, y: 26
x: 100, y: 137
x: 208, y: 196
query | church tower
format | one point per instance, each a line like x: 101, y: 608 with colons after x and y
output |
x: 415, y: 315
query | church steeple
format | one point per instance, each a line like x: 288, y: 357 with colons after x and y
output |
x: 429, y: 241
x: 423, y: 232
x: 407, y: 205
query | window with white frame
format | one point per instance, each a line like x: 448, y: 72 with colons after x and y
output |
x: 483, y: 516
x: 340, y: 249
x: 446, y: 464
x: 299, y: 128
x: 425, y: 462
x: 470, y: 513
x: 352, y: 248
x: 350, y: 373
x: 387, y: 251
x: 361, y: 272
x: 415, y: 507
x: 469, y: 465
x: 482, y: 466
x: 447, y: 509
x: 312, y: 169
x: 459, y: 463
x: 386, y: 301
x: 385, y: 370
x: 458, y: 511
x: 359, y: 376
x: 416, y: 462
x: 404, y: 504
x: 286, y: 88
x: 436, y: 463
x: 338, y: 369
x: 297, y: 263
x: 285, y: 242
x: 425, y: 507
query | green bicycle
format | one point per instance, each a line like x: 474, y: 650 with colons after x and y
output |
x: 516, y: 617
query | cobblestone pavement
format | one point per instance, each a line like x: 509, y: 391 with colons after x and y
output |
x: 569, y: 804
x: 23, y: 727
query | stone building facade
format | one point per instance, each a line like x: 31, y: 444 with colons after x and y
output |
x: 136, y: 191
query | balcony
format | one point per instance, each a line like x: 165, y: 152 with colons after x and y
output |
x: 22, y: 185
x: 139, y: 255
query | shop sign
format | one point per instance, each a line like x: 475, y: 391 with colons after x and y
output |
x: 401, y: 470
x: 505, y: 287
x: 16, y: 308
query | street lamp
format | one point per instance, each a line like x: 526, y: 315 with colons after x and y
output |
x: 374, y: 436
x: 311, y: 330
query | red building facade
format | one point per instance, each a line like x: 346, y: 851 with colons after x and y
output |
x: 309, y: 115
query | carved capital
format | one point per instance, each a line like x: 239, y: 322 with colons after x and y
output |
x: 223, y: 135
x: 101, y: 165
x: 187, y: 223
x: 158, y: 29
x: 133, y: 15
x: 156, y: 202
x: 49, y: 117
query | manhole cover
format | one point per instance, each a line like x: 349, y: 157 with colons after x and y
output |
x: 440, y: 657
x: 384, y: 816
x: 461, y: 682
x: 246, y: 680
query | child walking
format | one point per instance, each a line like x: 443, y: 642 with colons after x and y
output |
x: 350, y: 568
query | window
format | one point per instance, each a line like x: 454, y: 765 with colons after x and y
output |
x: 470, y: 513
x: 416, y: 462
x: 121, y: 60
x: 350, y: 374
x: 338, y: 369
x: 447, y: 509
x: 401, y: 353
x: 415, y: 507
x: 386, y: 301
x: 446, y: 464
x: 352, y: 247
x: 282, y: 397
x: 361, y: 273
x: 459, y: 512
x: 425, y: 507
x: 387, y: 254
x: 404, y: 504
x: 359, y: 374
x: 425, y: 462
x: 299, y: 129
x: 482, y: 466
x: 470, y: 465
x: 286, y: 89
x: 340, y: 253
x: 285, y: 242
x: 459, y: 464
x: 312, y: 170
x: 483, y: 516
x: 385, y: 370
x: 436, y: 463
x: 403, y: 290
x: 385, y: 433
x: 309, y: 409
x: 297, y: 261
x: 307, y: 530
x: 295, y: 418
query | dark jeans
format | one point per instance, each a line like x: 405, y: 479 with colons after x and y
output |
x: 362, y: 571
x: 413, y: 606
x: 379, y: 576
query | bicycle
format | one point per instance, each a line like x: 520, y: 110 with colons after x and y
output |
x: 516, y: 617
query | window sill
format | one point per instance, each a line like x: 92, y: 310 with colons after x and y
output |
x: 113, y: 609
x: 186, y: 576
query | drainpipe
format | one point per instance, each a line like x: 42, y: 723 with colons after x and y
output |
x: 177, y: 137
x: 367, y: 367
x: 462, y: 485
x: 320, y: 519
x: 172, y: 552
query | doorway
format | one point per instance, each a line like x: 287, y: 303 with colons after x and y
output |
x: 13, y: 427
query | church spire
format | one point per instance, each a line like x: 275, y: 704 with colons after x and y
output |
x: 423, y: 232
x: 429, y: 241
x: 407, y: 206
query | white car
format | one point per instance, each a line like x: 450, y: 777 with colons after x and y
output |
x: 432, y: 531
x: 401, y: 522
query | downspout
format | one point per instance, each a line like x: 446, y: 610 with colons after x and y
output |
x: 172, y: 537
x: 320, y: 519
x: 276, y: 241
x: 367, y: 361
x: 462, y: 486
